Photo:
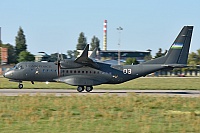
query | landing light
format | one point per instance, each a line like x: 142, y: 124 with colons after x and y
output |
x: 47, y: 82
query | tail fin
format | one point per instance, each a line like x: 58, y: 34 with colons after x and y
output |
x: 178, y: 52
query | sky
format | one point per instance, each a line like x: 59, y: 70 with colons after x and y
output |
x: 54, y: 26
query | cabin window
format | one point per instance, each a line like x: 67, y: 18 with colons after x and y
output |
x: 70, y: 71
x: 74, y: 71
x: 78, y: 71
x: 94, y: 72
x: 86, y: 72
x: 82, y: 71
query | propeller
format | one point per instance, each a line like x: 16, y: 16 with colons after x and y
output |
x: 58, y: 63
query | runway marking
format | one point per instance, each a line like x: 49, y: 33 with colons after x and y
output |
x: 62, y: 92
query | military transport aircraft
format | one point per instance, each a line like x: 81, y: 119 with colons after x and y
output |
x: 85, y: 72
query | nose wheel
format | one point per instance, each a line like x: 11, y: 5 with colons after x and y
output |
x: 20, y: 86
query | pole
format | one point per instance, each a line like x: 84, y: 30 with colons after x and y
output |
x: 119, y: 41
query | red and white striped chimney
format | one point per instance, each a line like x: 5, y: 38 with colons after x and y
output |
x: 105, y: 35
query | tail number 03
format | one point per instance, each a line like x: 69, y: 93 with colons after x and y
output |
x: 127, y: 71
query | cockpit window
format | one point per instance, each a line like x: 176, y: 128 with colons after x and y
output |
x: 19, y: 67
x: 15, y: 67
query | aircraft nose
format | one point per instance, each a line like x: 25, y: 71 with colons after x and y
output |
x: 7, y: 74
x: 4, y: 74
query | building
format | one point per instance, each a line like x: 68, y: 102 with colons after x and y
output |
x: 42, y: 57
x: 4, y: 55
x: 3, y: 68
x: 124, y: 54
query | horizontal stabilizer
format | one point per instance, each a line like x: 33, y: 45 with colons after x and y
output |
x: 175, y: 65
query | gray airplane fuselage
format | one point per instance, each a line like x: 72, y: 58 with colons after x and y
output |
x: 107, y: 74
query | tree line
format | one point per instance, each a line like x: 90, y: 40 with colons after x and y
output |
x: 19, y: 52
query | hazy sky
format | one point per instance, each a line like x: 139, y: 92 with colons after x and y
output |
x: 54, y: 26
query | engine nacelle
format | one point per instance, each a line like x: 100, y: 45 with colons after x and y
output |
x: 68, y: 63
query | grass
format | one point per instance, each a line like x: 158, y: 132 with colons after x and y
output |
x: 101, y: 114
x: 140, y: 83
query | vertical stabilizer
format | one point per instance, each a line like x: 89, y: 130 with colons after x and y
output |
x: 178, y: 52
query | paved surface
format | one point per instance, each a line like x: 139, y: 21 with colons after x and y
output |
x: 59, y: 92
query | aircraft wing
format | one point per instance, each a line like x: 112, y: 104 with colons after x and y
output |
x: 85, y: 60
x: 81, y: 80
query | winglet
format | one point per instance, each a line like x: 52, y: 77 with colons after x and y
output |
x: 84, y: 55
x: 85, y: 51
x: 93, y: 55
x: 83, y: 59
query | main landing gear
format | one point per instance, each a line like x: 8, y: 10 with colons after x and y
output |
x: 81, y: 88
x: 20, y: 86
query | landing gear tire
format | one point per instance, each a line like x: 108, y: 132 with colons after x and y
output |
x: 20, y: 86
x: 89, y: 88
x: 80, y: 88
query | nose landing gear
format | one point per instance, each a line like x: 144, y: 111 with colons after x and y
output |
x: 20, y: 86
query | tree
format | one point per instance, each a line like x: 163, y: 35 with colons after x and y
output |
x: 95, y: 43
x: 11, y: 53
x: 70, y: 54
x: 194, y: 58
x: 159, y: 53
x: 82, y: 42
x: 54, y: 57
x: 148, y: 57
x: 25, y: 56
x: 20, y: 41
x: 131, y: 61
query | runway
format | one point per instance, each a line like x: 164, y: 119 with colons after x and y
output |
x: 62, y: 92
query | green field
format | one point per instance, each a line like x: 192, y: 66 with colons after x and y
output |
x: 140, y: 83
x: 101, y: 114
